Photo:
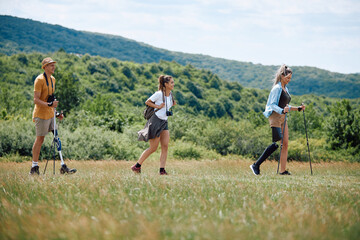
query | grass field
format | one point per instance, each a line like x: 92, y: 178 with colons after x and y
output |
x: 199, y: 200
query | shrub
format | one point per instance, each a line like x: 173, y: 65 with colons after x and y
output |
x: 189, y: 153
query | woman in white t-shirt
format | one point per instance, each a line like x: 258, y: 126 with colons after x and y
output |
x: 156, y: 129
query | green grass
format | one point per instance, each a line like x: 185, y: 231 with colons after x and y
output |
x: 199, y: 200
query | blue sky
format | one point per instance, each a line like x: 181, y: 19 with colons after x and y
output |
x: 319, y: 33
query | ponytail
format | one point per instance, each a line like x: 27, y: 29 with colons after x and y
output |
x: 283, y: 70
x: 162, y: 80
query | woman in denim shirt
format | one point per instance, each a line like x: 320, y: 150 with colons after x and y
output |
x: 276, y: 107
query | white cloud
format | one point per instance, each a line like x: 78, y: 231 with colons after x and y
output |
x: 254, y: 31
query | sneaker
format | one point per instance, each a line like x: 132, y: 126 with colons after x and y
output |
x: 65, y: 169
x: 255, y: 169
x: 136, y: 169
x: 34, y: 170
x: 164, y: 173
x: 285, y: 173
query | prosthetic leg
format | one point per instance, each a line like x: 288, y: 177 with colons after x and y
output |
x: 276, y: 136
x: 57, y: 144
x: 268, y: 151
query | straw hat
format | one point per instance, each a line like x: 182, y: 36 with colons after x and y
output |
x: 46, y: 61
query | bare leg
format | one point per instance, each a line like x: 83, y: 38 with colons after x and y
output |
x: 164, y: 140
x: 284, y: 151
x: 37, y: 147
x: 154, y: 143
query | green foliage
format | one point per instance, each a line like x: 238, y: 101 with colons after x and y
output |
x: 81, y: 118
x: 17, y: 35
x: 194, y: 89
x: 227, y: 119
x: 68, y: 92
x: 189, y: 153
x: 17, y: 137
x: 343, y: 127
x: 101, y: 105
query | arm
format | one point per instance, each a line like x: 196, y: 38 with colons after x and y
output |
x: 151, y: 101
x: 291, y: 108
x: 273, y: 100
x: 43, y: 103
x: 152, y: 104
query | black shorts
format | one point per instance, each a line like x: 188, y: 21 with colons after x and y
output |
x: 276, y: 134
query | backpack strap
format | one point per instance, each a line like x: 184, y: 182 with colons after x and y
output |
x: 163, y: 101
x: 47, y: 83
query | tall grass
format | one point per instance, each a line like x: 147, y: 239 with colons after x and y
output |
x: 218, y: 199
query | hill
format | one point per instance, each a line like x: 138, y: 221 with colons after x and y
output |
x: 103, y: 100
x: 25, y: 35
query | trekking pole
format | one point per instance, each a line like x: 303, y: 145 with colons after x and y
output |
x: 282, y: 140
x: 307, y: 140
x: 55, y: 133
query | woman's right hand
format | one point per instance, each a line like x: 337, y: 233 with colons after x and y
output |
x: 55, y: 104
x: 286, y: 109
x: 161, y: 105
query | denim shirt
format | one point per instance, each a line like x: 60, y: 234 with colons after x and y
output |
x: 273, y: 100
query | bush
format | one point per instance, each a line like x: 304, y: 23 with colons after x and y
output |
x: 190, y: 153
x: 17, y: 137
x: 343, y: 127
x: 187, y: 150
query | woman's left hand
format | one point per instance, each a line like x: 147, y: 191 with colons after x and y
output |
x: 61, y: 116
x: 302, y: 107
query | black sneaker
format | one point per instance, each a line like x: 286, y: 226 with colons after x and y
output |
x: 65, y: 169
x: 255, y: 169
x: 34, y: 170
x: 285, y: 173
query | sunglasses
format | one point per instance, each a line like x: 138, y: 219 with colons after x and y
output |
x: 286, y: 71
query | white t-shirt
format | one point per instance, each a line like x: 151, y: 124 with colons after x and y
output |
x: 157, y: 98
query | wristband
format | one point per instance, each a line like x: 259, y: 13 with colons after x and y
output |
x: 299, y: 109
x: 50, y: 104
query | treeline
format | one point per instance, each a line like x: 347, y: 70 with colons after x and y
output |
x: 17, y: 35
x: 103, y: 101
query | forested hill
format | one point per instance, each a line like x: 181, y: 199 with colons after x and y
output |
x: 24, y: 35
x: 103, y: 100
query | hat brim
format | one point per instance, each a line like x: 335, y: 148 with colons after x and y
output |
x: 47, y: 64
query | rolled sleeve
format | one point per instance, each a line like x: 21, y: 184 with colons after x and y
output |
x: 273, y: 101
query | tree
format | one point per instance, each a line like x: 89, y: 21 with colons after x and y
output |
x: 194, y: 89
x: 101, y: 105
x: 67, y: 91
x: 343, y: 126
x: 220, y: 109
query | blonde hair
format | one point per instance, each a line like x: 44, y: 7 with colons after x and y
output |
x: 283, y: 70
x: 162, y: 80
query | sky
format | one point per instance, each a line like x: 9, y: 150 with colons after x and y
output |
x: 318, y: 33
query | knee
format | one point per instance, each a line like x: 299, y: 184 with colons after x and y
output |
x: 152, y: 149
x: 39, y: 140
x: 274, y: 146
x: 164, y: 146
